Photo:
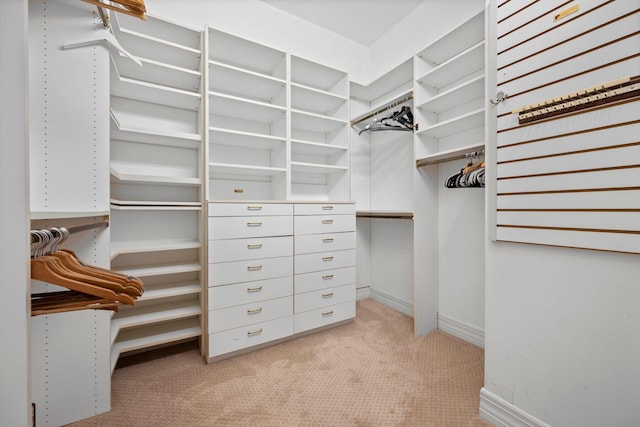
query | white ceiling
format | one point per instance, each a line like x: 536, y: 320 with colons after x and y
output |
x: 362, y: 21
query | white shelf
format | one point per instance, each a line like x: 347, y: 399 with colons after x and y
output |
x: 315, y: 148
x: 238, y: 169
x: 246, y: 84
x: 318, y: 76
x: 398, y: 80
x: 139, y: 338
x: 158, y: 72
x: 155, y: 94
x: 245, y: 54
x: 459, y: 124
x: 455, y: 96
x: 37, y: 216
x: 160, y: 270
x: 315, y: 122
x: 316, y: 101
x: 244, y: 139
x: 126, y: 132
x: 297, y: 167
x: 448, y: 155
x: 458, y: 39
x: 224, y: 105
x: 136, y: 247
x: 154, y: 203
x: 457, y: 67
x: 169, y: 290
x: 152, y: 179
x: 404, y: 95
x: 150, y: 314
x: 385, y: 214
x: 156, y: 208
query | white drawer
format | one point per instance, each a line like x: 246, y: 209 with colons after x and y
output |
x: 239, y: 227
x: 324, y: 298
x: 307, y: 263
x: 225, y: 273
x: 313, y: 224
x: 252, y: 248
x: 250, y: 209
x: 324, y: 279
x: 248, y: 336
x: 249, y: 314
x: 324, y: 316
x: 324, y: 208
x: 309, y: 243
x: 250, y: 292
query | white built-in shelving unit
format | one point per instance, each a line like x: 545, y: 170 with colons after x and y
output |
x: 449, y: 99
x: 156, y: 181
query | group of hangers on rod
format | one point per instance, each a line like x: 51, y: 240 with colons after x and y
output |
x: 472, y: 175
x: 90, y: 287
x: 397, y: 118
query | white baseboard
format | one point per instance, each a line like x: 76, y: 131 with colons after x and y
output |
x: 462, y: 330
x: 501, y: 413
x: 362, y: 292
x: 391, y: 301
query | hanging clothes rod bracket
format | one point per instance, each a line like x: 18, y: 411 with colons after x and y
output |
x: 104, y: 36
x: 79, y: 228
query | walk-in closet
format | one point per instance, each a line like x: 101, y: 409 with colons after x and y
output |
x: 276, y: 212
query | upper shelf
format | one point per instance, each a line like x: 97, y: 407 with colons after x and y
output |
x: 318, y: 101
x: 317, y: 76
x: 453, y: 97
x: 458, y: 124
x: 315, y: 122
x: 224, y: 105
x: 158, y: 72
x: 126, y: 132
x: 245, y: 54
x: 454, y: 69
x: 231, y: 80
x: 449, y: 155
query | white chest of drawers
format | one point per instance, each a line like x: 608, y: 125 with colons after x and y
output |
x: 276, y: 270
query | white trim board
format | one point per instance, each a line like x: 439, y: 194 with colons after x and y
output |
x: 501, y: 413
x: 391, y: 301
x: 362, y: 292
x: 464, y: 331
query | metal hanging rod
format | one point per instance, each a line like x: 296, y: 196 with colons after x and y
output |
x: 79, y: 228
x: 388, y: 105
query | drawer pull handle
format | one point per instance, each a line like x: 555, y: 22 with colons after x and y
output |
x: 256, y: 332
x: 327, y: 207
x: 327, y: 277
x: 254, y: 224
x: 254, y: 245
x: 254, y: 208
x: 327, y: 221
x: 328, y: 240
x: 327, y: 258
x: 329, y: 295
x: 254, y: 311
x: 254, y: 267
x: 327, y: 314
x: 258, y: 289
x: 238, y: 190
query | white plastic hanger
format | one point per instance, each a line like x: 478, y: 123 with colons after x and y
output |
x: 104, y: 36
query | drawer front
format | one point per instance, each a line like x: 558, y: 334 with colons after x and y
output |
x: 307, y: 263
x: 250, y: 209
x: 226, y: 273
x: 314, y: 224
x: 249, y: 314
x: 310, y: 243
x: 324, y: 298
x: 250, y: 292
x: 249, y: 226
x: 324, y: 316
x: 248, y: 336
x: 324, y: 208
x: 318, y: 280
x: 252, y: 248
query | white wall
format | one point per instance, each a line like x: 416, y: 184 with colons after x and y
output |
x: 259, y: 22
x: 15, y: 398
x: 563, y: 334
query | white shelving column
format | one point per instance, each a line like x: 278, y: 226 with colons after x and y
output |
x: 319, y: 132
x: 449, y: 98
x: 156, y: 181
x: 246, y: 113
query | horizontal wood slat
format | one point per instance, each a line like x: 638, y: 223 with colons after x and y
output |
x: 599, y: 221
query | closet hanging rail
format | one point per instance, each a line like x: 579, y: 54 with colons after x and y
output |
x: 448, y: 157
x: 84, y: 227
x: 385, y: 107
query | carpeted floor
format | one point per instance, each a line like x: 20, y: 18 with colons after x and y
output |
x: 372, y: 372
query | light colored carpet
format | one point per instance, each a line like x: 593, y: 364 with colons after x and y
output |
x: 372, y: 372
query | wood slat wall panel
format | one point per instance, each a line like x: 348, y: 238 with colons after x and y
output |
x: 507, y: 9
x: 605, y: 199
x: 577, y: 39
x: 537, y: 15
x: 613, y: 178
x: 599, y: 137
